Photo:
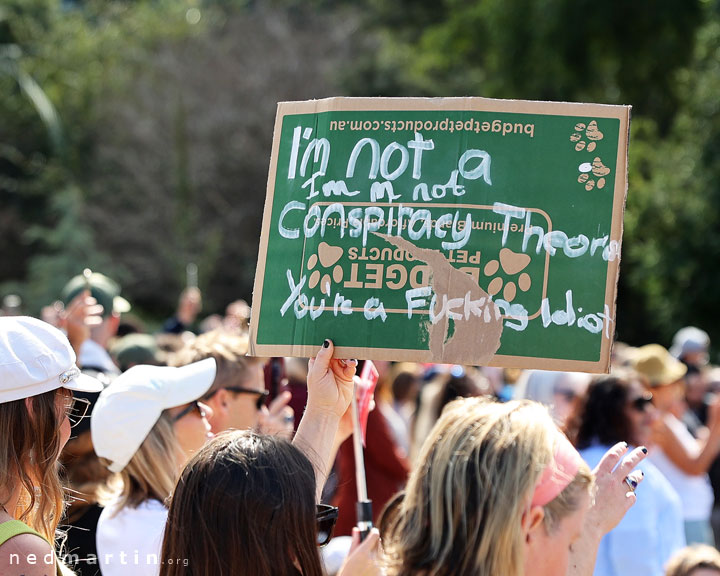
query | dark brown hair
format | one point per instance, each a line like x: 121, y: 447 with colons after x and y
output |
x: 599, y: 416
x: 245, y: 504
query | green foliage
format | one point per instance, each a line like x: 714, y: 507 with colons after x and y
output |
x: 135, y: 135
x: 56, y: 66
x: 673, y: 216
x: 619, y: 52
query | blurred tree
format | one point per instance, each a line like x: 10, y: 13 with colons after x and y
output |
x: 180, y: 170
x: 57, y: 61
x: 673, y: 217
x: 135, y: 135
x: 619, y: 52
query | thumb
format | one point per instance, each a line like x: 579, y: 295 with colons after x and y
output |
x: 370, y: 543
x: 322, y: 360
x: 371, y: 540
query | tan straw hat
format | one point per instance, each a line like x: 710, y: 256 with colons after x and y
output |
x: 657, y: 365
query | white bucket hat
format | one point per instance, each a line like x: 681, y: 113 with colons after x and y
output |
x: 35, y: 358
x: 128, y: 409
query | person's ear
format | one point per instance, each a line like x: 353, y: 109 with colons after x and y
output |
x: 219, y: 402
x: 222, y: 398
x: 532, y: 521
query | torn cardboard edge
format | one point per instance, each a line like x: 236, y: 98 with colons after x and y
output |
x: 468, y: 104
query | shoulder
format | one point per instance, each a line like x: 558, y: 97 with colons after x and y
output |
x: 120, y: 524
x: 27, y: 554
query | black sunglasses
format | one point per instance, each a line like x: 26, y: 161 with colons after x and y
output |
x: 76, y: 409
x: 325, y: 519
x: 641, y: 403
x: 194, y: 405
x: 262, y: 394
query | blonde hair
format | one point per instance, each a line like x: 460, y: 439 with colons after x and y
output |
x: 29, y: 449
x: 477, y: 471
x: 689, y: 559
x: 151, y: 473
x: 229, y: 351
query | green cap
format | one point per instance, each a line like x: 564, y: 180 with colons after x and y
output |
x: 102, y: 288
x: 136, y: 349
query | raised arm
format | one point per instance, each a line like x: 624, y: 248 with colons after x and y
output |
x: 694, y: 462
x: 612, y: 500
x: 330, y: 389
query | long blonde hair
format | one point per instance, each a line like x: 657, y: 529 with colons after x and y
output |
x: 461, y: 511
x: 151, y: 473
x: 29, y: 449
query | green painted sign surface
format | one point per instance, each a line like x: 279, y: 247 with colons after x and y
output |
x: 450, y: 230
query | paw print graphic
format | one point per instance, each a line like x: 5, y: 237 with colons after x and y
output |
x: 328, y: 257
x: 584, y: 133
x: 597, y: 169
x: 512, y: 263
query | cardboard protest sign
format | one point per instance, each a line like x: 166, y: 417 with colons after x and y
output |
x: 454, y: 230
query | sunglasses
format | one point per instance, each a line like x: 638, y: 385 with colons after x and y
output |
x: 325, y: 519
x: 642, y: 402
x: 262, y: 394
x: 76, y: 409
x: 192, y: 407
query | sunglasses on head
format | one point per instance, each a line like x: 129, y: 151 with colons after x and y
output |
x: 325, y: 519
x: 642, y: 402
x: 193, y: 406
x: 76, y: 409
x: 262, y: 394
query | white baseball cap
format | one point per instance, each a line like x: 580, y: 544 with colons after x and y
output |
x: 35, y: 358
x: 130, y: 406
x: 688, y: 340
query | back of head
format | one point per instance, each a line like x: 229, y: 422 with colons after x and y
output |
x: 600, y: 417
x: 461, y: 382
x: 229, y: 351
x: 688, y: 560
x: 134, y: 349
x: 460, y: 514
x: 245, y: 501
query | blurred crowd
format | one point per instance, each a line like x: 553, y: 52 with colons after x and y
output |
x: 663, y: 401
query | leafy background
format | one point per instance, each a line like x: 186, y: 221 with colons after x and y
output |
x: 135, y: 135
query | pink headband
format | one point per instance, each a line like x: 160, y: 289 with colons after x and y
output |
x: 559, y: 473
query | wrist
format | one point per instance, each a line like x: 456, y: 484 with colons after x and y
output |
x: 594, y: 528
x: 322, y: 414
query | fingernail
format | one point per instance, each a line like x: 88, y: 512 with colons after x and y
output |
x: 625, y: 444
x: 326, y: 344
x: 644, y: 450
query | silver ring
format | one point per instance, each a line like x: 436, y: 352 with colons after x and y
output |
x: 631, y: 484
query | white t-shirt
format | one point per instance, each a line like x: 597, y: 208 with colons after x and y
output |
x: 129, y: 542
x: 695, y: 492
